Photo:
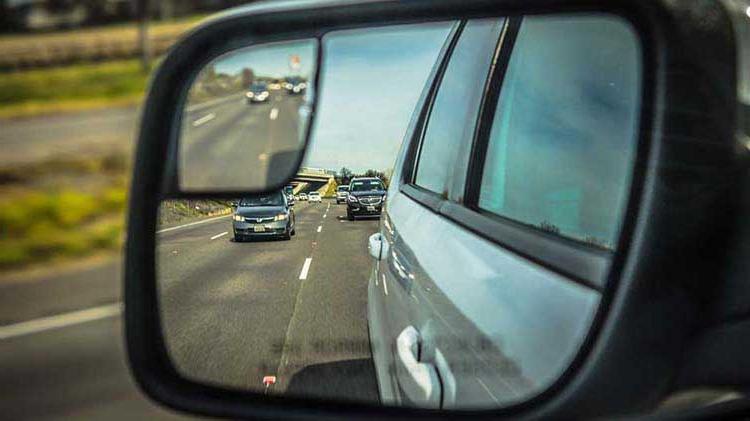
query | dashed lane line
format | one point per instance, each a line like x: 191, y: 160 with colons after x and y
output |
x: 220, y: 235
x: 205, y: 119
x: 305, y: 268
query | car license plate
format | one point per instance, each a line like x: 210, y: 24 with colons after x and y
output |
x: 259, y: 228
x: 371, y: 208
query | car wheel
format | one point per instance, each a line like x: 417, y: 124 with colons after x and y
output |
x: 237, y: 238
x: 294, y: 231
x: 349, y: 216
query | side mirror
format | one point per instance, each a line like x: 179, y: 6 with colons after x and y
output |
x: 525, y: 284
x: 236, y: 85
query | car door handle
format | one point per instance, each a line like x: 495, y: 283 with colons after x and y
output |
x: 419, y: 381
x: 377, y: 246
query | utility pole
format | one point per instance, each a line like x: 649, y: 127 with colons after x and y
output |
x: 144, y: 43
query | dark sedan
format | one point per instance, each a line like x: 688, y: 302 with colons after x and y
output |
x: 266, y: 215
x: 365, y: 198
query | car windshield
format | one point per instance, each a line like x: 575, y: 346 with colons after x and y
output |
x: 343, y: 188
x: 274, y: 199
x: 258, y: 87
x: 366, y: 185
x: 314, y: 194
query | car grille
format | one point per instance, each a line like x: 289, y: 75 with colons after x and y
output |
x: 371, y: 200
x: 260, y: 220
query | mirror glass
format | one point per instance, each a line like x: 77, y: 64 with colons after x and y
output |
x: 245, y: 118
x: 343, y: 284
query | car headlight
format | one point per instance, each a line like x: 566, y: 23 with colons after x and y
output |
x: 249, y: 94
x: 238, y: 218
x: 351, y: 199
x: 281, y: 217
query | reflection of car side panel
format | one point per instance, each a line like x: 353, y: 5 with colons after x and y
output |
x: 445, y: 292
x: 490, y: 325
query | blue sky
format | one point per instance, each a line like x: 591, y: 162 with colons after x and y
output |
x: 270, y: 59
x: 370, y: 82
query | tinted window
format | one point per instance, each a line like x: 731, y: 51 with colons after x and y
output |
x: 563, y: 138
x: 273, y: 199
x: 366, y: 185
x: 454, y: 111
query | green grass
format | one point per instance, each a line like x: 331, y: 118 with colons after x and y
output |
x: 61, y: 208
x: 71, y: 87
x: 39, y: 226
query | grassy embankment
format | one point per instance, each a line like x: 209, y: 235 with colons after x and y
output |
x: 71, y: 88
x: 60, y: 210
x: 87, y: 85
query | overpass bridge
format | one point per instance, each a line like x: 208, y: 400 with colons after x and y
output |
x: 312, y: 179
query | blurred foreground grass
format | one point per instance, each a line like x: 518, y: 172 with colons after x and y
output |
x: 67, y: 208
x: 71, y: 88
x: 62, y: 208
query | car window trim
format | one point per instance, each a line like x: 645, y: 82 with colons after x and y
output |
x: 487, y: 108
x: 409, y: 169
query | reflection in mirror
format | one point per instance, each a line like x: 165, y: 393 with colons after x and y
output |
x: 341, y: 285
x: 245, y: 119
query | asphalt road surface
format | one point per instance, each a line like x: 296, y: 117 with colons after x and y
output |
x: 232, y: 145
x: 97, y: 132
x: 233, y: 312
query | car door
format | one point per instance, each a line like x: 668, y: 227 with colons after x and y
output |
x: 409, y: 225
x: 502, y: 219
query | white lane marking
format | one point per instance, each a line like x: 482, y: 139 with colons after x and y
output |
x: 60, y: 321
x: 205, y: 119
x: 324, y: 215
x: 220, y: 235
x: 274, y: 113
x: 385, y: 286
x: 305, y: 268
x: 320, y: 227
x: 191, y: 224
x: 376, y: 279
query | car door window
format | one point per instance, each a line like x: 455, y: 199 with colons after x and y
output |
x: 564, y: 133
x: 456, y: 104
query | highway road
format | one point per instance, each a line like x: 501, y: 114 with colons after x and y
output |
x: 228, y: 143
x: 96, y: 132
x: 233, y: 312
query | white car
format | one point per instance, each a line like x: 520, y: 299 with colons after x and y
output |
x: 314, y: 197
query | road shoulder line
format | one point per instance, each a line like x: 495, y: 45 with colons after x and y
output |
x: 61, y: 320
